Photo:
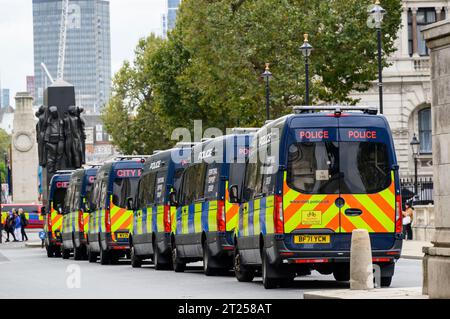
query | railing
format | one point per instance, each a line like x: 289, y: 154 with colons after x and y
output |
x: 424, y: 194
x: 421, y: 64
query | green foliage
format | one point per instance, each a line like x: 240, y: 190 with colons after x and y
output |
x: 210, y: 67
x: 5, y: 142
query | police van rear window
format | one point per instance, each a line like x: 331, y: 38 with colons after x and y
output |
x: 338, y: 167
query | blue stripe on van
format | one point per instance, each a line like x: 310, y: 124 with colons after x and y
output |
x: 205, y: 214
x: 262, y: 215
x: 251, y: 215
x: 154, y: 218
x: 191, y: 211
x: 179, y: 229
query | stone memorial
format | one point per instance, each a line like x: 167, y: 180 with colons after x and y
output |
x: 436, y: 262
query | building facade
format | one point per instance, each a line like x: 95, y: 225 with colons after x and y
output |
x: 169, y: 18
x: 407, y: 87
x: 88, y: 49
x: 5, y: 98
x: 31, y: 86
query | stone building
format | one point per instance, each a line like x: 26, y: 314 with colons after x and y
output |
x: 407, y: 91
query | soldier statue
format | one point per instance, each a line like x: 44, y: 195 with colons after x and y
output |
x: 73, y: 132
x: 54, y: 140
x: 41, y: 114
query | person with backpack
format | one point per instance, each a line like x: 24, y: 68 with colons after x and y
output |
x: 9, y: 226
x: 24, y: 223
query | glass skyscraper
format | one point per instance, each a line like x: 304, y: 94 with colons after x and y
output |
x: 88, y: 49
x: 169, y: 18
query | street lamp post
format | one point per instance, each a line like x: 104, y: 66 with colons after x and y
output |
x: 415, y: 143
x: 306, y: 50
x: 377, y: 13
x: 267, y: 75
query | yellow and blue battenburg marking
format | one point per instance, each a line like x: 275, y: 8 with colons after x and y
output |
x: 257, y: 217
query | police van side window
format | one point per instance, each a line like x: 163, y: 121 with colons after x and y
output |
x: 237, y: 175
x: 193, y: 183
x: 148, y: 185
x: 76, y: 198
x: 103, y: 194
x: 68, y: 199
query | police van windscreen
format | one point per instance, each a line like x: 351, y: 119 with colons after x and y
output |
x: 58, y: 197
x: 328, y: 167
x: 125, y: 186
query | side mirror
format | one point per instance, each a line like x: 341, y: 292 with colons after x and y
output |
x: 173, y: 199
x: 130, y: 205
x: 234, y: 194
x: 247, y: 193
x: 59, y: 208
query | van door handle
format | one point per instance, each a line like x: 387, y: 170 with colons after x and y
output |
x: 353, y: 212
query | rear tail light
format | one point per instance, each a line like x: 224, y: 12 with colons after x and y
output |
x: 49, y: 221
x: 278, y: 218
x: 221, y: 221
x: 311, y: 261
x: 80, y: 220
x: 108, y: 221
x: 398, y: 214
x: 167, y: 221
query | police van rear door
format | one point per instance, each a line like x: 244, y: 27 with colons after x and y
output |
x: 367, y: 184
x: 311, y: 184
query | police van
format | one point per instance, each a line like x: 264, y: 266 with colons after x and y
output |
x: 152, y: 222
x: 110, y: 220
x: 53, y: 212
x: 205, y: 218
x: 76, y: 213
x: 311, y: 179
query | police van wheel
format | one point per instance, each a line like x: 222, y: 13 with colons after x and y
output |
x: 341, y: 272
x: 78, y: 253
x: 268, y: 282
x: 92, y: 257
x: 57, y: 252
x: 136, y: 261
x: 178, y: 266
x: 242, y: 273
x: 209, y: 271
x: 386, y: 281
x: 104, y: 257
x: 160, y: 261
x: 50, y: 251
x: 65, y: 253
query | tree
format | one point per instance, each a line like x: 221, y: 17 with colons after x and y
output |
x: 210, y: 67
x: 5, y: 142
x: 131, y: 116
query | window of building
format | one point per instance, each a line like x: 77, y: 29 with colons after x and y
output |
x: 425, y: 131
x: 424, y: 16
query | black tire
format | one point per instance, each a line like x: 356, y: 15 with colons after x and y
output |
x: 57, y: 251
x: 386, y: 281
x: 104, y: 257
x: 178, y: 265
x: 136, y: 261
x: 92, y: 257
x: 50, y: 251
x: 266, y: 268
x: 159, y: 260
x: 207, y: 269
x: 65, y: 253
x: 78, y: 253
x: 242, y: 273
x: 341, y: 272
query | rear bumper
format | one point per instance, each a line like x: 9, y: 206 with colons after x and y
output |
x: 278, y: 252
x: 220, y: 243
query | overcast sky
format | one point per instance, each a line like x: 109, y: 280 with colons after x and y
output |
x: 130, y: 20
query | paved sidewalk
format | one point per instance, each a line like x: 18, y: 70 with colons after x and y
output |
x: 412, y: 249
x: 383, y: 293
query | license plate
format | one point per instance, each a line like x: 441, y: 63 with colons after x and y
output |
x: 122, y: 235
x: 312, y: 239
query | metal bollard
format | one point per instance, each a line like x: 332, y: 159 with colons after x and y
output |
x: 361, y: 268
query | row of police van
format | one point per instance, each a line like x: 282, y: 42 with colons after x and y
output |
x: 278, y: 202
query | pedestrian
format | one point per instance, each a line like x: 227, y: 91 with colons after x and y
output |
x: 408, y: 216
x: 24, y: 223
x: 1, y: 227
x: 9, y: 226
x: 17, y: 225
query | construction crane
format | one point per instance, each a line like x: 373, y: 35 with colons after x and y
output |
x: 62, y: 39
